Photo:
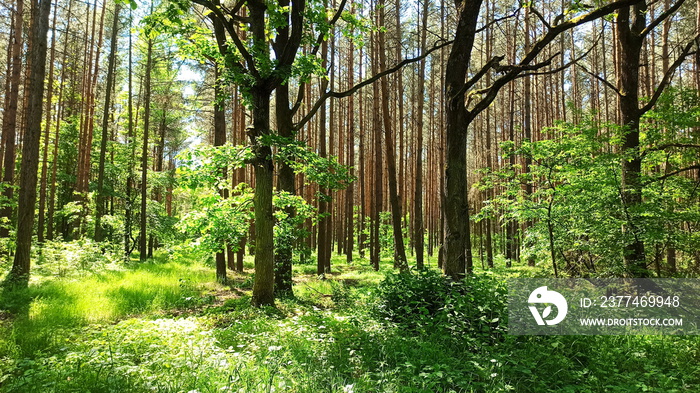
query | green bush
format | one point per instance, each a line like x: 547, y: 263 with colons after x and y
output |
x: 427, y: 301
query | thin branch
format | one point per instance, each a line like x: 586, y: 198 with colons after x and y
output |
x: 669, y: 74
x: 564, y: 66
x: 232, y: 33
x: 498, y: 20
x: 368, y: 81
x: 540, y: 17
x: 667, y: 145
x: 314, y: 50
x: 539, y: 46
x: 666, y: 176
x: 661, y: 18
x: 335, y: 18
x: 601, y: 79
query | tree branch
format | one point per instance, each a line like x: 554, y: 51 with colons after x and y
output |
x: 540, y: 17
x: 667, y: 145
x: 497, y: 20
x: 601, y: 79
x: 214, y: 8
x: 471, y: 82
x: 368, y: 81
x: 666, y: 176
x: 539, y: 46
x: 651, y: 26
x: 669, y: 74
x: 314, y: 50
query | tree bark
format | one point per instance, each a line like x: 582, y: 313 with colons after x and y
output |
x: 100, y: 203
x: 458, y: 257
x: 9, y: 119
x: 630, y: 23
x: 285, y: 182
x: 399, y: 247
x: 30, y: 149
x: 143, y: 219
x: 418, y: 226
x: 220, y: 140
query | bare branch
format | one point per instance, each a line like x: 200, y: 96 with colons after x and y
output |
x: 539, y: 46
x: 601, y: 79
x: 670, y: 174
x: 368, y: 81
x: 498, y: 20
x: 540, y: 17
x: 661, y: 18
x: 669, y: 74
x: 314, y: 50
x: 668, y: 145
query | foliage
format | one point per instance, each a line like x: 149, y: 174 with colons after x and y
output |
x: 75, y: 258
x: 327, y: 172
x: 576, y: 187
x: 427, y: 301
x: 291, y: 211
x: 217, y: 221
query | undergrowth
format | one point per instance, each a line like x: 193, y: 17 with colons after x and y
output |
x: 167, y: 327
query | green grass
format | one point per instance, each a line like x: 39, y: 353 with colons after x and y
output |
x: 165, y: 326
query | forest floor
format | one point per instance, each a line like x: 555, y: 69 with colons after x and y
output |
x: 166, y: 326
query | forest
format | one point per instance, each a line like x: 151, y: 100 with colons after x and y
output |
x: 331, y: 196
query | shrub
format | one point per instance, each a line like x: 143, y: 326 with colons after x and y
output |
x: 426, y: 301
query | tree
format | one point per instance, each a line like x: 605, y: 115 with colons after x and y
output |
x: 143, y: 244
x: 632, y: 29
x: 30, y: 149
x: 9, y: 118
x: 100, y: 208
x: 418, y: 191
x: 258, y: 77
x: 460, y: 113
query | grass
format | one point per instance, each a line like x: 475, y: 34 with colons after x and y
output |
x: 165, y: 326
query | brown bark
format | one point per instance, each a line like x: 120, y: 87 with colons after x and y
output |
x: 101, y: 198
x: 399, y: 248
x: 41, y: 223
x: 220, y: 140
x: 9, y: 119
x: 324, y: 225
x: 143, y: 219
x: 30, y: 149
x: 418, y: 226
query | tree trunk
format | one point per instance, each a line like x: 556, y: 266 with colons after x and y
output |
x: 324, y: 225
x: 128, y: 207
x: 631, y: 42
x: 458, y: 257
x: 285, y: 182
x: 390, y: 140
x: 263, y: 288
x: 143, y: 235
x: 100, y: 203
x: 220, y: 140
x: 9, y: 119
x: 418, y: 225
x: 30, y: 149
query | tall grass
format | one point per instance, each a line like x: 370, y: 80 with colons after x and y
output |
x: 45, y: 312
